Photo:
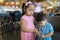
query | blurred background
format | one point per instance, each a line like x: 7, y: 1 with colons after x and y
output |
x: 11, y: 12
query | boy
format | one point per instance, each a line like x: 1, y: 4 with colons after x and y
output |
x: 45, y: 29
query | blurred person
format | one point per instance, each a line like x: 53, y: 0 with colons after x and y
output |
x: 37, y: 8
x: 50, y: 12
x: 57, y: 13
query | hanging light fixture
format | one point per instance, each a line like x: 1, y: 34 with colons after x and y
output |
x: 12, y: 4
x: 6, y: 4
x: 17, y: 4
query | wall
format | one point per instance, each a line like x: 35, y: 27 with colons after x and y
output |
x: 1, y: 0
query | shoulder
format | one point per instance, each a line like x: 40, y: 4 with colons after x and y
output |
x: 23, y: 17
x: 32, y: 17
x: 49, y: 25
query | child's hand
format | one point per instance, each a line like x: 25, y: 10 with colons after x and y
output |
x: 43, y: 36
x: 35, y: 31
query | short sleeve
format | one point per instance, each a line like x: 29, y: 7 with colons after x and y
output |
x: 33, y: 18
x: 51, y: 28
x: 23, y: 17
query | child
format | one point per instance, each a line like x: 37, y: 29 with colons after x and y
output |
x: 45, y: 29
x: 27, y: 23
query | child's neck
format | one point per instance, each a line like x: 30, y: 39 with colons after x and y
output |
x: 28, y: 15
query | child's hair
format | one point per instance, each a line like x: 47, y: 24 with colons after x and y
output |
x: 41, y: 16
x: 30, y: 0
x: 27, y: 7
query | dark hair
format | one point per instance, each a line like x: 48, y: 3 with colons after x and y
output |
x: 30, y: 0
x: 27, y: 7
x: 41, y: 16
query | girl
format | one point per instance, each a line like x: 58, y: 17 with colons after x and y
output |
x: 27, y: 23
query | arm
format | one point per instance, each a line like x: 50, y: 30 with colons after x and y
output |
x: 49, y: 34
x: 36, y: 32
x: 51, y: 31
x: 23, y: 28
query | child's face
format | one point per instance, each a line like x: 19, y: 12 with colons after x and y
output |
x: 30, y: 10
x: 32, y: 7
x: 42, y: 23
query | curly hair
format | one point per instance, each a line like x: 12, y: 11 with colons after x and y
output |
x: 40, y: 17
